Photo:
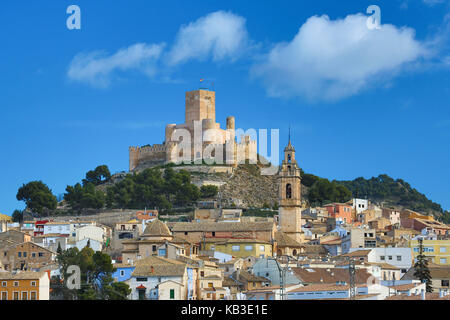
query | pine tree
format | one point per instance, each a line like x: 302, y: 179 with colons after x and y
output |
x: 421, y: 270
x: 59, y: 250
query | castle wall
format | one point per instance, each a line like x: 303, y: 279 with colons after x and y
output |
x: 152, y: 155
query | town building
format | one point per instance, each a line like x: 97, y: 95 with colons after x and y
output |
x: 157, y: 278
x: 440, y: 277
x: 241, y: 248
x: 26, y: 256
x: 340, y: 211
x: 157, y: 240
x: 24, y: 285
x: 196, y: 232
x: 360, y: 205
x: 437, y: 251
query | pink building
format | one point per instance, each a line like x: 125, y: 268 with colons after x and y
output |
x: 340, y: 211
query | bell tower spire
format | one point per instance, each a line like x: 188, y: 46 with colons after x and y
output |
x: 289, y: 193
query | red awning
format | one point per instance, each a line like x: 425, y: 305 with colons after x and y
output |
x: 141, y: 287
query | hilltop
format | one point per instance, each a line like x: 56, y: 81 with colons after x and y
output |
x: 176, y: 188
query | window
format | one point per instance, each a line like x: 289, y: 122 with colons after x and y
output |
x: 213, y: 234
x: 262, y: 248
x: 16, y: 295
x: 33, y: 283
x: 41, y: 254
x: 24, y: 254
x: 444, y: 283
x: 382, y: 258
x: 33, y: 254
x: 4, y: 295
x: 442, y: 249
x: 185, y: 233
x: 122, y: 273
x: 16, y: 283
x: 24, y: 295
x: 249, y: 248
x: 210, y: 284
x: 399, y: 258
x: 390, y: 257
x: 19, y: 254
x: 213, y: 247
x: 33, y: 295
x: 443, y: 260
x: 141, y: 279
x: 154, y: 248
x: 425, y: 249
x: 172, y: 294
x: 236, y: 248
x: 4, y: 283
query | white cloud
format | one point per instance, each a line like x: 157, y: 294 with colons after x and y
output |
x: 97, y: 68
x: 220, y: 34
x: 333, y: 59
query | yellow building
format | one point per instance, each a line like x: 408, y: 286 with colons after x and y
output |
x: 438, y: 251
x: 25, y: 285
x: 4, y: 217
x: 241, y: 248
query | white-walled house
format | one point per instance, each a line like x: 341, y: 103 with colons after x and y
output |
x: 360, y: 205
x: 90, y: 232
x: 156, y: 278
x: 395, y: 256
x: 57, y: 228
x: 93, y: 244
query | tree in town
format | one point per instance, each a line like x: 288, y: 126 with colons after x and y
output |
x: 17, y: 216
x: 421, y: 270
x: 96, y: 271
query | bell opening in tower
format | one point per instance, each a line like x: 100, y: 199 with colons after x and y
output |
x: 288, y: 191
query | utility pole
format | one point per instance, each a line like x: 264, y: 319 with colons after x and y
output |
x: 352, y: 271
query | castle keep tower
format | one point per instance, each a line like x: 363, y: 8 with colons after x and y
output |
x: 200, y: 104
x: 289, y: 184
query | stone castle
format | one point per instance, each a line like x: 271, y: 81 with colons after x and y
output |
x: 200, y: 139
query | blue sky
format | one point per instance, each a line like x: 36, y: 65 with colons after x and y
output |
x: 360, y: 102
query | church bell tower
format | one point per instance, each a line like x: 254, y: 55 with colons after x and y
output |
x: 290, y: 198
